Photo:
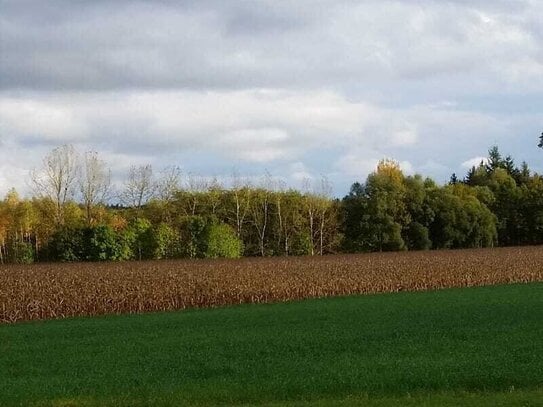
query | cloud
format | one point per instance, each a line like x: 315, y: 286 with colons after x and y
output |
x: 474, y: 162
x: 300, y: 173
x: 256, y: 125
x: 303, y: 88
x: 360, y: 164
x: 256, y: 129
x: 236, y: 44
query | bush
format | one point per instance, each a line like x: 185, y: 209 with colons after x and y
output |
x: 165, y: 242
x: 137, y: 240
x: 417, y: 237
x: 301, y: 244
x: 67, y: 245
x: 21, y: 253
x: 102, y: 243
x: 194, y: 235
x: 222, y: 242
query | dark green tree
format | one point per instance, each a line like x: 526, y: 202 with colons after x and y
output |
x: 138, y: 239
x: 101, y: 243
x: 495, y: 160
x: 417, y: 237
x: 454, y: 179
x: 67, y: 244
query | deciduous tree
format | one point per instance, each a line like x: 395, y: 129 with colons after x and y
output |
x: 57, y: 179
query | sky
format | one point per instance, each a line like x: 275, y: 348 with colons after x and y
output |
x: 300, y: 89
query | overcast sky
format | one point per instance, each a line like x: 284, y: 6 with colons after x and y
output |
x: 299, y: 88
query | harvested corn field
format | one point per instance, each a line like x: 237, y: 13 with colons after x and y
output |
x: 49, y: 291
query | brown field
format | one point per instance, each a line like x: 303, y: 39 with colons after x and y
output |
x: 48, y: 291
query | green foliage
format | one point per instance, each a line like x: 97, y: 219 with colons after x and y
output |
x: 222, y: 242
x: 497, y: 203
x: 460, y: 221
x: 301, y: 244
x: 194, y: 236
x: 376, y: 211
x: 102, y: 243
x: 21, y: 253
x: 532, y: 210
x: 417, y: 237
x: 67, y: 245
x: 138, y: 240
x: 165, y: 242
x: 98, y: 243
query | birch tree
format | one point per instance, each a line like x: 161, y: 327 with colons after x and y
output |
x: 324, y: 203
x: 94, y: 183
x: 169, y: 183
x: 57, y: 179
x: 260, y: 210
x: 139, y: 187
x: 241, y: 192
x: 310, y: 208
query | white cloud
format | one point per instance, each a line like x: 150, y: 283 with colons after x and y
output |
x: 359, y: 164
x: 257, y: 127
x: 254, y: 125
x: 299, y: 173
x: 33, y: 118
x: 404, y: 137
x: 474, y: 162
x: 356, y: 166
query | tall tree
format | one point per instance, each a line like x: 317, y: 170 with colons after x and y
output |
x: 139, y: 187
x: 454, y: 179
x: 292, y: 223
x: 57, y: 179
x: 311, y: 207
x: 495, y: 160
x: 94, y: 183
x: 168, y: 183
x: 239, y: 203
x: 324, y: 205
x: 376, y: 212
x: 260, y: 211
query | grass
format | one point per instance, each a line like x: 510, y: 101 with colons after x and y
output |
x: 475, y: 346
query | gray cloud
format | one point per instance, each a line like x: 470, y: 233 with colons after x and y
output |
x: 298, y: 88
x: 215, y: 44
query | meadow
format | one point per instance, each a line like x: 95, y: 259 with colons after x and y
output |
x: 477, y: 346
x: 48, y: 291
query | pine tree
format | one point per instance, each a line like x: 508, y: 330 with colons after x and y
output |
x: 510, y: 167
x: 495, y: 160
x: 522, y: 174
x: 468, y: 180
x: 454, y: 179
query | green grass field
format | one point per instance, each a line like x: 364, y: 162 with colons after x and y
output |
x: 476, y: 347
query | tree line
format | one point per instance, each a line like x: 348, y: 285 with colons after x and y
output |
x: 71, y: 215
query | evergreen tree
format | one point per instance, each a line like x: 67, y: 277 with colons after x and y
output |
x: 454, y: 179
x: 495, y: 160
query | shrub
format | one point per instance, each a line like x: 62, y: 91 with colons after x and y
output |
x: 21, y: 253
x: 417, y: 237
x: 222, y: 242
